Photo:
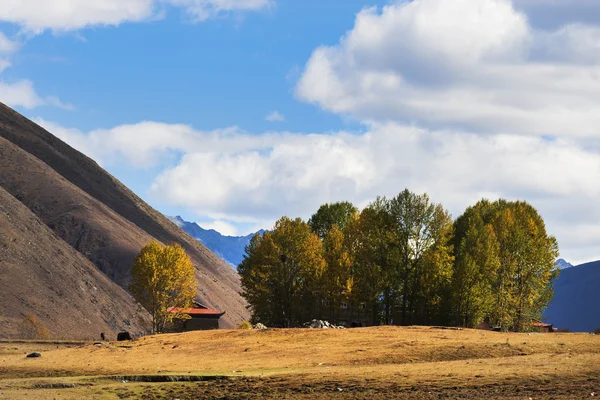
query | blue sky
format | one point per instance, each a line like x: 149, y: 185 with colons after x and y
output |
x: 232, y: 113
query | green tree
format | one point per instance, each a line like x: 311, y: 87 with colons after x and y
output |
x: 422, y: 255
x: 527, y: 265
x: 281, y: 272
x: 162, y: 278
x: 370, y: 237
x: 329, y: 215
x: 504, y: 267
x: 476, y: 266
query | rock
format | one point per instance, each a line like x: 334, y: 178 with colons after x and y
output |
x: 318, y: 324
x: 259, y: 326
x: 35, y: 354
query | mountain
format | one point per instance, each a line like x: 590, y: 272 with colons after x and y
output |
x: 41, y: 275
x: 576, y: 299
x: 562, y: 264
x: 97, y: 215
x: 229, y: 248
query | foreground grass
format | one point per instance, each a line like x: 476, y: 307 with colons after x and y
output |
x: 381, y: 362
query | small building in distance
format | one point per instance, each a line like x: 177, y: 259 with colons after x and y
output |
x: 201, y: 318
x: 539, y: 326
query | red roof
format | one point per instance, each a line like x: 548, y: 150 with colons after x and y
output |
x: 541, y: 324
x: 198, y: 310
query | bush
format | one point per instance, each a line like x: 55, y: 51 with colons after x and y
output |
x: 597, y: 331
x: 245, y: 325
x: 31, y: 328
x: 565, y: 330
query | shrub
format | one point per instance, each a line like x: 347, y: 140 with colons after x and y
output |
x: 597, y: 331
x: 31, y: 328
x: 565, y: 330
x: 245, y: 325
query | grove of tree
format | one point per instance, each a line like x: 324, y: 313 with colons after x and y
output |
x: 404, y: 261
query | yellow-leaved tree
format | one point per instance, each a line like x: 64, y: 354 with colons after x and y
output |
x: 162, y: 278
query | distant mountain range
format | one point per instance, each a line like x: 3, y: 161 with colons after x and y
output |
x: 576, y: 299
x: 562, y: 264
x: 229, y: 248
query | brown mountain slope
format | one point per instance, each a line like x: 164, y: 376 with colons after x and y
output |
x: 97, y: 214
x: 43, y: 276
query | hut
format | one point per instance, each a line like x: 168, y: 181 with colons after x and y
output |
x: 200, y: 318
x: 539, y: 326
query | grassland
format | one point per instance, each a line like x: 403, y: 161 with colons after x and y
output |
x: 365, y: 363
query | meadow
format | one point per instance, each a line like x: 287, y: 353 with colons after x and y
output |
x: 374, y: 363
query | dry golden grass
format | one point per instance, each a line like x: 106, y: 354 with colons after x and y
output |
x: 386, y: 360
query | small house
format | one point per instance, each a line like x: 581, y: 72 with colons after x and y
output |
x: 539, y: 326
x: 200, y: 318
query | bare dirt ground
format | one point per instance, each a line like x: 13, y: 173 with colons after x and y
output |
x: 366, y: 363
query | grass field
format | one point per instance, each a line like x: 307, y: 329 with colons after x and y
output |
x: 365, y: 363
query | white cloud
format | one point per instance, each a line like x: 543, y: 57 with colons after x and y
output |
x: 472, y: 64
x: 223, y: 227
x: 232, y: 177
x: 20, y: 94
x: 36, y: 16
x: 65, y: 15
x: 4, y: 64
x: 200, y: 10
x: 23, y: 94
x: 6, y: 45
x: 275, y: 116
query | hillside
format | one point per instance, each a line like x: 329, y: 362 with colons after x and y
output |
x: 41, y: 275
x: 97, y: 215
x: 576, y: 296
x: 229, y: 248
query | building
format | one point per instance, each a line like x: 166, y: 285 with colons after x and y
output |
x: 201, y: 318
x: 539, y: 326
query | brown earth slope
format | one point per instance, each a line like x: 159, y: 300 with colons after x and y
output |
x: 97, y: 215
x: 41, y: 275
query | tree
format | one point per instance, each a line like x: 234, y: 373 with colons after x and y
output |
x: 527, y: 264
x: 329, y: 215
x: 370, y: 237
x: 162, y: 278
x: 422, y: 255
x: 504, y: 266
x: 336, y: 277
x: 281, y: 272
x: 476, y: 266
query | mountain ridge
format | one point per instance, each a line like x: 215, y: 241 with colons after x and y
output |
x: 229, y: 248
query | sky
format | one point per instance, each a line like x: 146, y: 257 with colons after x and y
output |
x: 233, y: 113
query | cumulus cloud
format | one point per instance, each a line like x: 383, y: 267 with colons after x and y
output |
x: 232, y: 177
x: 473, y: 64
x: 275, y: 116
